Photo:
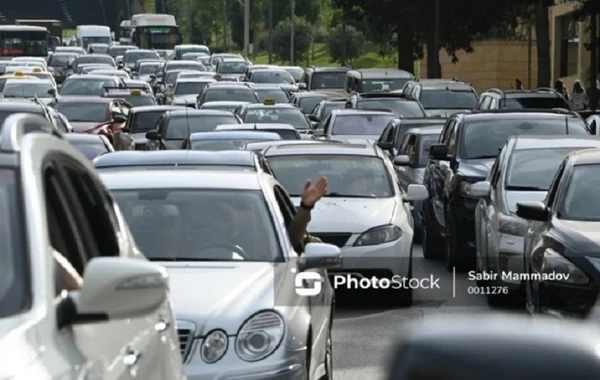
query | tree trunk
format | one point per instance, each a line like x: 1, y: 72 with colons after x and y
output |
x: 406, y: 47
x: 542, y: 34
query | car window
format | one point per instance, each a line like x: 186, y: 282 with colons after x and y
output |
x: 85, y: 86
x: 308, y: 103
x: 360, y: 124
x: 233, y: 95
x: 83, y: 112
x: 400, y: 107
x: 551, y: 196
x: 180, y: 128
x: 448, y: 99
x: 291, y: 116
x: 426, y: 142
x: 581, y: 201
x: 533, y: 169
x: 535, y: 102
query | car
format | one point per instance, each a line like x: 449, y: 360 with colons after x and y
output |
x: 295, y: 71
x: 410, y: 161
x: 90, y: 59
x: 137, y: 97
x: 221, y: 106
x: 270, y: 112
x: 183, y: 65
x: 175, y: 126
x: 323, y: 109
x: 393, y: 135
x: 46, y: 76
x: 354, y: 125
x: 225, y: 231
x: 99, y: 48
x: 397, y: 103
x: 441, y: 97
x: 120, y: 50
x: 148, y: 69
x: 464, y: 155
x: 29, y: 89
x: 260, y: 146
x: 329, y: 79
x: 561, y: 246
x: 271, y: 91
x: 231, y: 68
x: 181, y: 159
x: 307, y: 101
x: 523, y: 171
x: 91, y: 114
x: 365, y: 212
x: 58, y: 215
x: 19, y: 75
x: 228, y: 92
x: 182, y: 49
x: 226, y: 140
x: 91, y: 146
x: 141, y: 120
x: 274, y: 76
x: 87, y: 85
x: 57, y: 64
x: 541, y: 98
x: 218, y: 57
x: 188, y: 90
x: 10, y: 107
x: 286, y: 131
x: 111, y: 72
x: 376, y: 80
x: 131, y: 57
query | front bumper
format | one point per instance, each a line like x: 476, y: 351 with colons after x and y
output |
x: 566, y: 300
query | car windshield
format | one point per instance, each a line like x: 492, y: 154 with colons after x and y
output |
x: 448, y: 99
x: 240, y: 94
x: 29, y: 90
x: 402, y: 108
x: 483, y: 139
x: 581, y: 201
x: 60, y: 60
x: 119, y: 50
x: 232, y: 67
x: 534, y: 169
x: 308, y: 103
x: 329, y: 107
x: 91, y: 151
x: 328, y: 80
x: 201, y: 225
x: 136, y: 55
x: 535, y: 103
x: 15, y: 293
x: 270, y: 76
x: 220, y: 144
x: 85, y: 86
x: 426, y: 142
x: 347, y: 176
x: 406, y: 125
x: 272, y: 93
x: 180, y: 128
x: 291, y: 116
x: 383, y: 85
x: 148, y: 69
x: 189, y: 88
x: 83, y: 112
x: 145, y: 121
x: 360, y: 124
x: 219, y: 107
x: 92, y: 58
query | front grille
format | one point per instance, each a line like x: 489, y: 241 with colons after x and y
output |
x: 185, y: 332
x: 340, y: 239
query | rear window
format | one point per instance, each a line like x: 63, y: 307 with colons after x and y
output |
x: 534, y: 102
x: 180, y: 128
x: 144, y: 121
x: 400, y: 107
x: 222, y: 95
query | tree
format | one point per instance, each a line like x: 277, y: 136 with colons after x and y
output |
x: 355, y: 41
x: 302, y: 39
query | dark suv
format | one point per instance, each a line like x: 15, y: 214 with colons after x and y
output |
x: 541, y: 98
x: 467, y: 148
x: 324, y: 79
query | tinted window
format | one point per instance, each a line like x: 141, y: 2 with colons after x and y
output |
x: 406, y: 125
x: 483, y: 139
x: 360, y: 124
x: 535, y: 102
x: 291, y: 116
x: 148, y: 69
x: 426, y: 142
x: 232, y: 67
x: 447, y: 99
x: 381, y: 85
x: 330, y: 107
x: 14, y: 89
x: 91, y: 151
x: 327, y: 80
x: 308, y: 103
x: 83, y: 112
x: 85, y: 86
x: 349, y: 176
x: 534, y: 169
x: 180, y: 128
x: 14, y: 286
x: 267, y: 76
x: 218, y: 107
x: 581, y: 202
x: 223, y: 95
x: 401, y: 107
x: 60, y: 60
x: 189, y: 88
x: 92, y: 58
x: 134, y: 56
x: 279, y: 95
x: 286, y: 134
x: 144, y: 121
x: 200, y: 225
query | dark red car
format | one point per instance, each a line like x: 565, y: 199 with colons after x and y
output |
x: 94, y: 114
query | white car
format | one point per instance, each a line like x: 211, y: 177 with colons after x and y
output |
x: 223, y: 240
x: 119, y: 324
x: 365, y: 212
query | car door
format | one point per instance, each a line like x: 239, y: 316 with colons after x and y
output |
x: 437, y: 175
x: 484, y: 216
x: 406, y: 149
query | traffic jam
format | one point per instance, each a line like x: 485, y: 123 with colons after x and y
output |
x: 173, y: 213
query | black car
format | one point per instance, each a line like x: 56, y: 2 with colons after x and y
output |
x: 562, y: 245
x: 58, y: 63
x: 467, y: 148
x: 393, y: 134
x: 541, y: 98
x: 324, y: 79
x: 91, y: 146
x: 142, y: 120
x: 323, y: 109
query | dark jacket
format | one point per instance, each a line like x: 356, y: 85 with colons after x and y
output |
x: 297, y: 230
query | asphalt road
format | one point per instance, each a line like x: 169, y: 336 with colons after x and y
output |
x: 364, y: 336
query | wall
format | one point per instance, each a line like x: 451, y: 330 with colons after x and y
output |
x: 491, y: 64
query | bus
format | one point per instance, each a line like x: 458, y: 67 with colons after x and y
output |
x: 125, y: 30
x: 93, y: 34
x: 23, y: 40
x: 155, y: 31
x: 55, y: 28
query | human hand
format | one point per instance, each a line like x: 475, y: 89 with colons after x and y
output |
x: 312, y: 193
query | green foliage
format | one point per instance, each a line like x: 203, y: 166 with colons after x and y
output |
x: 303, y: 34
x: 355, y: 41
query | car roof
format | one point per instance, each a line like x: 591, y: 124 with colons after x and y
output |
x: 260, y: 145
x: 225, y: 135
x: 265, y: 86
x: 255, y: 126
x: 554, y: 141
x: 323, y: 149
x: 224, y: 103
x: 516, y: 115
x: 141, y: 50
x: 312, y: 94
x: 585, y: 157
x: 83, y: 138
x: 427, y: 121
x: 512, y: 94
x: 85, y: 99
x: 175, y: 157
x: 220, y: 86
x: 25, y: 81
x: 95, y: 56
x: 24, y: 105
x: 330, y: 68
x: 91, y: 76
x: 180, y: 179
x: 184, y: 111
x: 359, y: 112
x: 276, y: 105
x: 186, y: 62
x: 195, y: 80
x: 152, y: 108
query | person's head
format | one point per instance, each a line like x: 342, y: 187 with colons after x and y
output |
x: 518, y: 83
x: 559, y: 86
x: 226, y: 222
x: 348, y: 104
x: 577, y: 86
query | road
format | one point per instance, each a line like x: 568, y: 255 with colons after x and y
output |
x: 363, y: 337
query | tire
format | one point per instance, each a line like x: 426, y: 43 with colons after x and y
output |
x: 433, y: 245
x: 399, y: 298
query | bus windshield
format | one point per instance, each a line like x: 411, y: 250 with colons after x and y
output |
x: 23, y: 43
x: 156, y: 37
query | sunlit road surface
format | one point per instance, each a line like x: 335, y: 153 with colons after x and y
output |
x: 364, y: 337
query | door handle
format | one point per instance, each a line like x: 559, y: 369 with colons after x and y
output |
x: 132, y: 358
x: 162, y: 325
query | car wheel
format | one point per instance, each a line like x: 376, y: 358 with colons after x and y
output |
x: 433, y: 245
x: 399, y: 297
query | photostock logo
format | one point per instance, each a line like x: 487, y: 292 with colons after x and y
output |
x: 303, y: 286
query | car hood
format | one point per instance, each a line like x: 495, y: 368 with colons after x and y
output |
x: 581, y: 236
x: 512, y: 197
x: 354, y: 215
x: 355, y: 139
x: 444, y: 112
x: 82, y: 127
x: 476, y: 168
x: 185, y: 99
x: 223, y: 294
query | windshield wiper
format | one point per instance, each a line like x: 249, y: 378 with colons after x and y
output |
x: 525, y: 188
x: 340, y: 195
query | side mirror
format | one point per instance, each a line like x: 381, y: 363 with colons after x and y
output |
x: 438, y: 152
x: 401, y: 160
x: 536, y: 211
x: 120, y: 65
x: 153, y: 135
x: 385, y: 145
x: 314, y: 124
x: 119, y: 119
x: 416, y: 193
x: 321, y: 255
x: 479, y: 189
x: 120, y: 288
x: 319, y: 132
x: 302, y: 86
x: 312, y: 117
x: 69, y: 65
x: 52, y: 92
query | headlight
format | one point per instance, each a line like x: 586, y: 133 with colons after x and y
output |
x: 260, y: 336
x: 214, y: 346
x: 379, y: 235
x: 550, y: 262
x: 511, y: 225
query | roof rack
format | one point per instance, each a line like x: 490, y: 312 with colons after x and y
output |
x: 16, y: 126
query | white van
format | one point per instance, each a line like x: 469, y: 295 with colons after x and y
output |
x: 93, y: 34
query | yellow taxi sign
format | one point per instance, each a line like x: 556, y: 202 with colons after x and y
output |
x: 37, y: 70
x: 19, y: 74
x: 269, y: 102
x: 136, y: 92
